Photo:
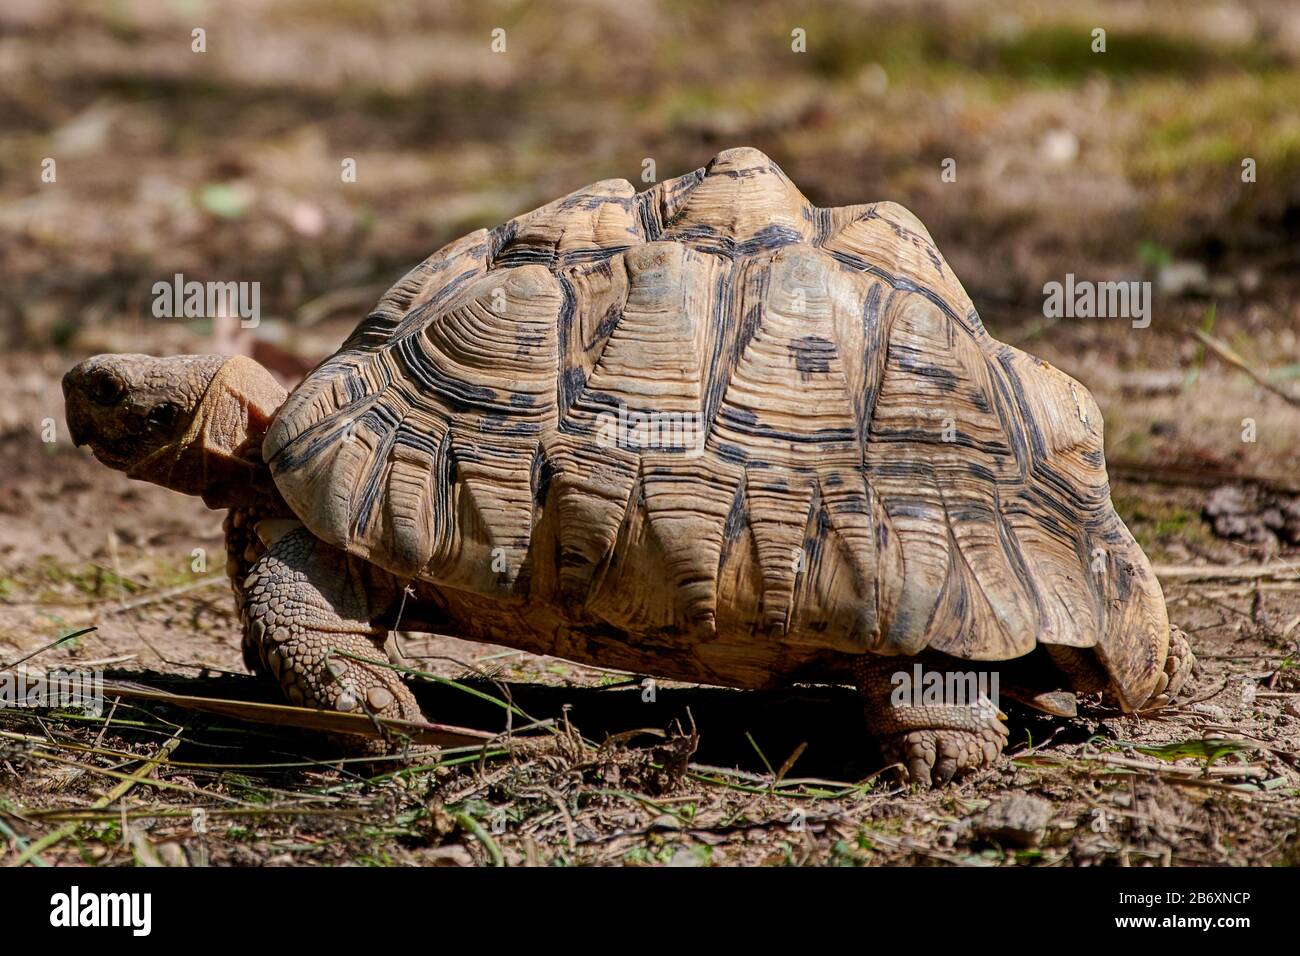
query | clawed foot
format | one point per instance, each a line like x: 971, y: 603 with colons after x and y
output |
x: 307, y: 612
x: 1178, y: 667
x: 935, y: 757
x: 936, y: 741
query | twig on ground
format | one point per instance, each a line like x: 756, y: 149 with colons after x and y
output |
x: 165, y: 594
x: 1229, y: 572
x: 1224, y: 351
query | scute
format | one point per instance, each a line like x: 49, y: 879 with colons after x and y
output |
x: 714, y: 410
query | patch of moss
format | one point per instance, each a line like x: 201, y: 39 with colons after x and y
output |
x: 841, y: 41
x: 1207, y: 131
x: 47, y: 580
x: 1064, y: 53
x: 1156, y: 524
x: 843, y: 46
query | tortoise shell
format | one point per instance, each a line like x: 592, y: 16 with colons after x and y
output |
x: 716, y: 417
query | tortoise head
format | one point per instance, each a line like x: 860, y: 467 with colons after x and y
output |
x: 192, y: 423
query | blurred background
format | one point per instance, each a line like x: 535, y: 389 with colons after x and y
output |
x: 227, y: 165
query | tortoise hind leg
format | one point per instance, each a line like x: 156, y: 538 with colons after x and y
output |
x: 1179, y: 662
x: 1086, y: 674
x: 306, y: 605
x: 935, y: 743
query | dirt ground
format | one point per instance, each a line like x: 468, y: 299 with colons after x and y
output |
x: 228, y: 168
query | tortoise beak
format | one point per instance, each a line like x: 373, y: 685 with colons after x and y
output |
x: 79, y: 425
x: 77, y: 430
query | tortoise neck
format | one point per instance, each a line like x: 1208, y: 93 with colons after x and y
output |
x: 219, y: 456
x: 240, y: 480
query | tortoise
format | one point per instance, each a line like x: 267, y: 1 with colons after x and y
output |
x: 707, y: 432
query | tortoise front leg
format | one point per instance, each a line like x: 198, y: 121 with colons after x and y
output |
x: 307, y: 605
x: 934, y: 743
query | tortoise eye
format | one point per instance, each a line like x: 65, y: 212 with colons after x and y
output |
x: 162, y: 415
x: 106, y: 389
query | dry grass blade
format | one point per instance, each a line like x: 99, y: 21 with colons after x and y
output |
x: 284, y: 715
x: 1224, y: 351
x: 45, y: 647
x: 1165, y: 771
x: 114, y: 795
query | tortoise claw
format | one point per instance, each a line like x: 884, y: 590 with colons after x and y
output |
x: 1179, y: 662
x: 935, y: 757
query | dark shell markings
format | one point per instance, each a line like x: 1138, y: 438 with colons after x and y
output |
x: 864, y: 468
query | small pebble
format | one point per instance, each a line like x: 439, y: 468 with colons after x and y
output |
x: 1015, y: 820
